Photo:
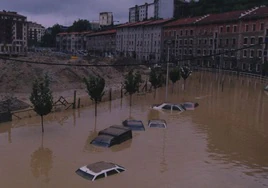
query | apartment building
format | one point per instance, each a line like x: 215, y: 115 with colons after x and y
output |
x: 196, y: 39
x: 13, y: 33
x: 141, y: 12
x: 102, y: 42
x: 141, y: 40
x: 71, y: 42
x: 164, y: 9
x: 106, y: 19
x: 35, y: 33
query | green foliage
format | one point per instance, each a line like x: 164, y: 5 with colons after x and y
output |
x: 80, y: 26
x: 174, y: 75
x: 41, y: 96
x: 49, y: 39
x: 185, y: 72
x: 132, y: 82
x: 156, y: 78
x: 95, y: 88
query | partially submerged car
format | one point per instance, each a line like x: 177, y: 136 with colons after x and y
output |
x: 169, y: 106
x: 190, y: 105
x: 158, y: 123
x: 99, y: 170
x: 135, y: 125
x: 112, y: 136
x: 266, y: 88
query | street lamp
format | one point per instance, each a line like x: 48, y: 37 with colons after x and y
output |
x: 168, y: 43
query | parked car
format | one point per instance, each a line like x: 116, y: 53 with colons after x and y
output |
x: 99, y: 170
x: 135, y: 125
x: 169, y: 106
x: 159, y: 123
x: 266, y: 88
x: 112, y: 136
x: 190, y: 105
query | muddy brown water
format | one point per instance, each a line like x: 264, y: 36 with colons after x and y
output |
x: 223, y: 143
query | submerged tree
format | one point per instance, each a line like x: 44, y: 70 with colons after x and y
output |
x: 95, y: 89
x: 132, y: 83
x: 41, y: 97
x: 174, y: 76
x: 156, y: 79
x: 185, y: 73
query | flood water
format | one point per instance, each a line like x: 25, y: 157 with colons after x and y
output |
x: 221, y: 144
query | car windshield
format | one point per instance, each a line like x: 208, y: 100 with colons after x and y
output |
x: 134, y: 124
x: 187, y: 105
x: 98, y: 143
x: 159, y: 125
x: 84, y: 174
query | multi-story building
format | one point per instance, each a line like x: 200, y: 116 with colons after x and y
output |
x: 35, y: 33
x: 235, y: 37
x: 164, y: 9
x: 141, y: 12
x: 13, y: 33
x: 141, y: 40
x: 106, y: 19
x: 102, y: 42
x: 71, y: 42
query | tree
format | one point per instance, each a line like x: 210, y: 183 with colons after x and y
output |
x: 174, y: 76
x: 185, y: 73
x: 132, y: 83
x: 49, y: 39
x: 95, y: 89
x: 41, y: 97
x: 80, y: 26
x: 156, y: 79
x: 265, y: 68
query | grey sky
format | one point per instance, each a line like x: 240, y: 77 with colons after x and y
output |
x: 49, y: 12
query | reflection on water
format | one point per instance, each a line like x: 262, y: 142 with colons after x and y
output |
x: 222, y: 143
x: 41, y: 162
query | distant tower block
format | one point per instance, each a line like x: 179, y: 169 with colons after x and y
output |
x: 106, y: 18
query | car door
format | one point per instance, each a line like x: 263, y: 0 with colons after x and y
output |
x: 167, y: 107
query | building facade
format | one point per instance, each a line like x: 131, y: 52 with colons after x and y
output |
x: 106, y: 19
x: 164, y: 9
x: 231, y: 40
x: 13, y: 33
x: 71, y: 42
x: 102, y: 42
x: 141, y: 40
x: 141, y: 12
x: 35, y: 33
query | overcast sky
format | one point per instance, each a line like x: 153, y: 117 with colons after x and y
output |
x: 50, y: 12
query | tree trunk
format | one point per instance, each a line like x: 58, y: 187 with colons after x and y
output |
x: 130, y: 100
x: 184, y: 84
x: 42, y: 124
x: 96, y: 108
x: 154, y: 93
x: 172, y: 87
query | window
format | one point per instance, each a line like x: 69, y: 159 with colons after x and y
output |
x: 166, y: 107
x: 199, y: 41
x: 262, y: 27
x: 211, y: 41
x: 191, y: 41
x: 186, y: 32
x: 100, y: 176
x: 246, y: 28
x: 235, y: 29
x: 185, y: 52
x: 181, y: 32
x: 260, y: 40
x: 228, y: 29
x: 176, y: 108
x: 259, y: 53
x: 191, y: 32
x: 227, y: 41
x: 111, y: 172
x: 254, y: 27
x: 258, y: 67
x: 251, y: 53
x: 245, y: 53
x: 120, y: 170
x: 252, y: 40
x: 185, y: 41
x: 221, y: 29
x: 245, y: 40
x: 190, y: 52
x: 234, y: 41
x: 243, y: 66
x: 205, y: 52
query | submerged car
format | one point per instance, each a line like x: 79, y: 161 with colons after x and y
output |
x: 266, y: 88
x: 190, y: 105
x: 112, y: 136
x: 99, y: 170
x: 169, y: 106
x: 135, y: 125
x: 158, y: 123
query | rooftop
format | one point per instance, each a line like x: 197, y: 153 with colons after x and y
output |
x: 100, y: 166
x: 11, y: 13
x: 107, y: 32
x: 183, y: 21
x: 260, y: 12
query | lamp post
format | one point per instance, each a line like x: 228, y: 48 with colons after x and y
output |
x: 168, y: 43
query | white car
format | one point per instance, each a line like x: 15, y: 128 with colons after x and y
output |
x: 99, y: 170
x: 169, y: 106
x: 266, y: 88
x: 158, y: 123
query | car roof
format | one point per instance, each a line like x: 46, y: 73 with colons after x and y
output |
x: 100, y: 166
x: 105, y: 138
x: 138, y: 122
x: 170, y: 104
x: 157, y: 121
x: 113, y: 131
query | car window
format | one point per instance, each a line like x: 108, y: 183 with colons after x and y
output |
x: 159, y: 125
x: 84, y: 174
x: 187, y: 105
x: 120, y: 170
x: 176, y: 108
x: 167, y: 107
x: 111, y: 172
x: 100, y: 176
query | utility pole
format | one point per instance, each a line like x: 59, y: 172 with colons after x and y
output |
x: 168, y: 43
